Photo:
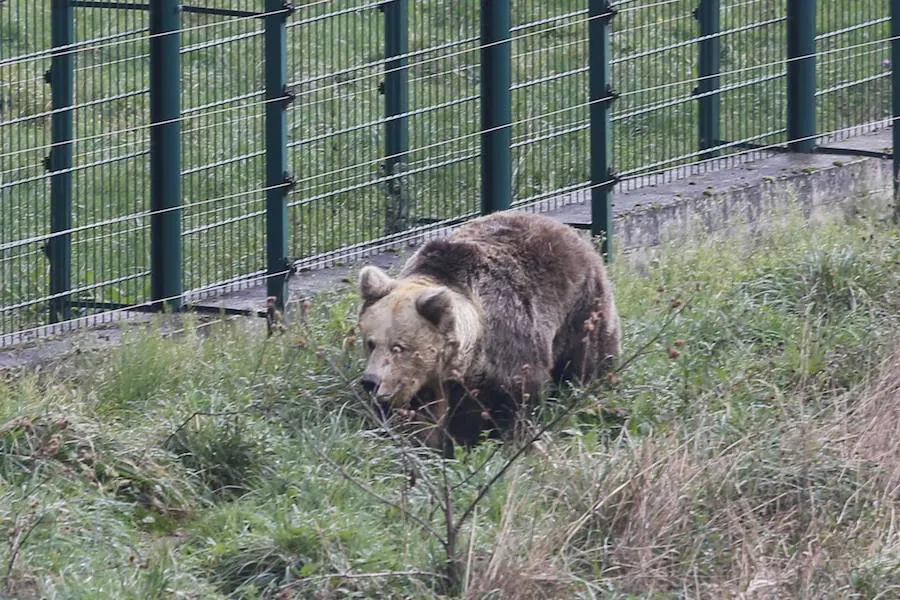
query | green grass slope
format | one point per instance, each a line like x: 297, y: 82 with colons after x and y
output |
x: 755, y: 453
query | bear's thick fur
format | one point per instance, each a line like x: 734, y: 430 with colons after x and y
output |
x: 476, y: 323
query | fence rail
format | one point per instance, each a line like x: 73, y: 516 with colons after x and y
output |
x: 160, y: 151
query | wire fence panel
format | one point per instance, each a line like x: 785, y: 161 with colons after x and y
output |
x: 24, y: 143
x: 754, y: 104
x: 853, y: 67
x: 654, y: 58
x: 223, y: 144
x: 550, y: 93
x: 444, y: 172
x: 396, y: 114
x: 98, y: 196
x: 335, y: 64
x: 110, y: 187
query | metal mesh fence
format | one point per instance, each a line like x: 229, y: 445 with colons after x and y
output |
x: 384, y: 132
x: 106, y: 168
x: 550, y: 114
x: 754, y: 107
x: 853, y: 69
x: 223, y: 146
x: 654, y: 57
x: 24, y: 139
x: 110, y: 187
x: 335, y: 64
x: 656, y: 47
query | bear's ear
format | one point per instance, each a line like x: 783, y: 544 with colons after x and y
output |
x: 374, y: 284
x: 436, y: 305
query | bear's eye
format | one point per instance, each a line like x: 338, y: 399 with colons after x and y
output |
x: 370, y: 344
x: 397, y: 348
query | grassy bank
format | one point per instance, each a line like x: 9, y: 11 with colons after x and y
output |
x: 755, y: 452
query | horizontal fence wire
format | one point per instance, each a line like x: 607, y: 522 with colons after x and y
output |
x: 550, y: 92
x: 854, y: 74
x: 360, y: 185
x: 223, y: 144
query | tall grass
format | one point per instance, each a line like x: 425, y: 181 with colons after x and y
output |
x: 750, y: 449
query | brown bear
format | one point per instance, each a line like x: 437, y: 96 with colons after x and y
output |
x: 476, y: 323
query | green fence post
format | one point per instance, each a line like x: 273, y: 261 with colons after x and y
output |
x: 601, y: 94
x: 59, y: 162
x: 496, y: 106
x: 277, y: 177
x: 166, y: 267
x: 801, y: 75
x: 708, y: 15
x: 396, y: 105
x: 895, y: 101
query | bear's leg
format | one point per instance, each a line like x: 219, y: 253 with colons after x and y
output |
x: 432, y: 424
x: 500, y: 410
x: 588, y: 355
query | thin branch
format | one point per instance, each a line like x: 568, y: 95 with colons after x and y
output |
x: 617, y: 369
x: 483, y: 491
x: 398, y: 441
x: 16, y: 547
x: 452, y: 568
x: 662, y: 329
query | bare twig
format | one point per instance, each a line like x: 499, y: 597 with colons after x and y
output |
x: 569, y: 410
x: 399, y: 442
x: 662, y: 329
x: 471, y: 553
x: 450, y: 545
x: 17, y: 541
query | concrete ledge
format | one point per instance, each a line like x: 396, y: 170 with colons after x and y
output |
x: 822, y: 186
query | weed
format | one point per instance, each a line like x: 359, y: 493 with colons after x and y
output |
x: 216, y: 450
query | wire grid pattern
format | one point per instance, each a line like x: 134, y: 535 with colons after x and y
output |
x: 223, y: 145
x: 549, y: 95
x: 754, y: 86
x: 335, y: 62
x: 653, y: 69
x: 23, y: 187
x: 336, y: 67
x: 853, y: 68
x: 338, y: 124
x: 444, y: 171
x: 655, y: 50
x: 110, y: 188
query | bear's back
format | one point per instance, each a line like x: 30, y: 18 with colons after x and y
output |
x: 508, y: 253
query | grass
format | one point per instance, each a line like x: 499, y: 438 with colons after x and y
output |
x: 336, y: 140
x: 755, y: 453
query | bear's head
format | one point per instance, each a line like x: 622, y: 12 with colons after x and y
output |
x: 416, y: 333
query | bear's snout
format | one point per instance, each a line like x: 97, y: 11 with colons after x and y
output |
x: 370, y: 382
